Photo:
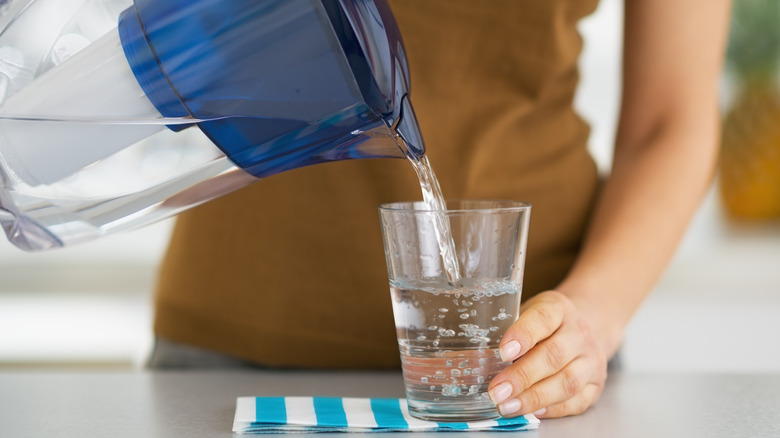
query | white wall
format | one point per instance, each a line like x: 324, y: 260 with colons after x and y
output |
x: 88, y: 304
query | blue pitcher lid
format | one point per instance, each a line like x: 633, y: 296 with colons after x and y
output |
x: 258, y: 75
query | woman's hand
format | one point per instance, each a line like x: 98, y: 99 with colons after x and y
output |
x: 559, y: 365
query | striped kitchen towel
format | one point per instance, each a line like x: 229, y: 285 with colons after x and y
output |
x: 336, y: 414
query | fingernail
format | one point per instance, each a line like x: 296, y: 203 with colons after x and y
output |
x: 509, y: 407
x: 501, y: 392
x: 540, y: 412
x: 509, y: 351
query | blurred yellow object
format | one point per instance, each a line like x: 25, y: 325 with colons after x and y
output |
x: 750, y: 147
x: 750, y: 154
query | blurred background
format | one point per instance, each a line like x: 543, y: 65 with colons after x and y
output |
x: 717, y: 309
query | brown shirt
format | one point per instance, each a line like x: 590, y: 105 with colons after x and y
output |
x: 290, y: 271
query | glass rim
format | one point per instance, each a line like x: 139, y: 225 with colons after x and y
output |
x: 502, y: 206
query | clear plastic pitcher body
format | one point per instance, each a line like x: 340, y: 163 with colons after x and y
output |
x: 117, y: 113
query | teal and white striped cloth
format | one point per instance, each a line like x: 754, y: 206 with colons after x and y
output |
x: 255, y: 415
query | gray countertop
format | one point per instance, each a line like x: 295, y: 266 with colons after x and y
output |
x: 202, y: 404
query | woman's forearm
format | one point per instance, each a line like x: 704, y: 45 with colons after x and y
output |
x: 644, y: 209
x: 665, y: 154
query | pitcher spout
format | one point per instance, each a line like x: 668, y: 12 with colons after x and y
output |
x: 407, y: 128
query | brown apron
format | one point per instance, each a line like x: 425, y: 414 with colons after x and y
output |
x: 290, y: 271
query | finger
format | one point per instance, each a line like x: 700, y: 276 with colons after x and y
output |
x: 559, y: 387
x: 539, y: 318
x: 547, y: 359
x: 575, y: 405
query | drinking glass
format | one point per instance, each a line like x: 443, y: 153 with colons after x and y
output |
x: 449, y: 329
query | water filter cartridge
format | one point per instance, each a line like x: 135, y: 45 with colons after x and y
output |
x: 96, y: 86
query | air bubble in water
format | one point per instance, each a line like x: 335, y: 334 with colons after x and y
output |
x: 455, y: 372
x: 450, y: 390
x: 463, y: 364
x: 432, y: 327
x: 448, y: 364
x: 481, y: 379
x: 473, y: 389
x: 502, y: 315
x: 473, y: 330
x: 423, y: 379
x: 446, y: 333
x: 464, y: 316
x: 444, y: 310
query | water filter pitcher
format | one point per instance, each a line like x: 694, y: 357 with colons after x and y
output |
x: 118, y: 113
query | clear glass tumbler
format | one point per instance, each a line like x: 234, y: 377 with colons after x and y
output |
x: 448, y: 334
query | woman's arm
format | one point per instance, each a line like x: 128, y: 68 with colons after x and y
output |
x: 665, y: 154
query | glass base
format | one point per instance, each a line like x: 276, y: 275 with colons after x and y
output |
x: 453, y: 413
